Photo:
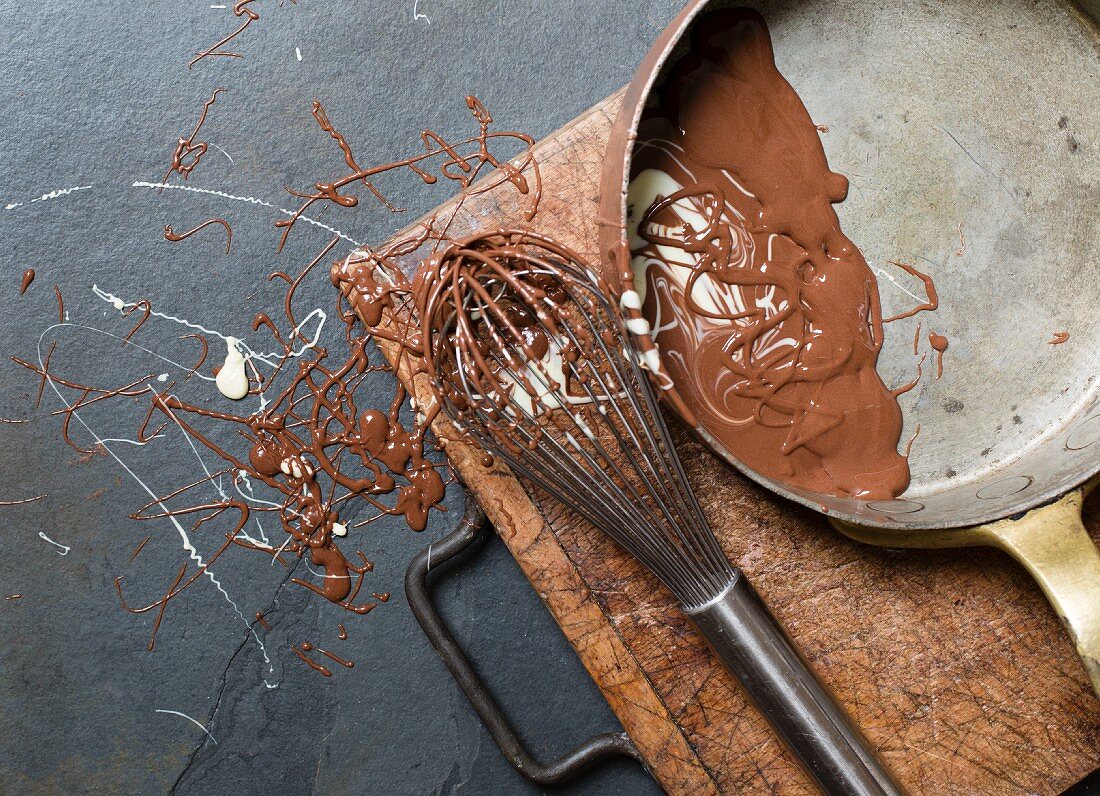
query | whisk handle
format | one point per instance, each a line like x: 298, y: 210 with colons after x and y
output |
x: 757, y: 651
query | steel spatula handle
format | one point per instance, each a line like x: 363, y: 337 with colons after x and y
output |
x: 757, y: 651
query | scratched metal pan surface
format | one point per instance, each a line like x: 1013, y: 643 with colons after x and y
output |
x: 969, y: 133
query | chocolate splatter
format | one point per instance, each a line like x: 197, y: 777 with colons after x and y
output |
x: 912, y: 439
x: 171, y: 235
x: 931, y: 305
x: 462, y: 162
x: 240, y: 10
x: 139, y: 548
x: 898, y: 391
x: 332, y: 656
x: 188, y: 153
x: 25, y: 282
x: 160, y: 605
x: 311, y: 442
x: 317, y: 667
x: 939, y: 344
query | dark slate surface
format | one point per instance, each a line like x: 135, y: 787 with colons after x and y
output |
x: 95, y: 94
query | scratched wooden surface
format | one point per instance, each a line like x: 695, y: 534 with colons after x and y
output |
x: 950, y: 661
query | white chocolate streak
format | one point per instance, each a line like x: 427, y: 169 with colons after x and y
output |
x: 21, y: 500
x: 63, y: 549
x: 184, y: 715
x: 676, y: 265
x: 252, y: 200
x: 631, y: 300
x: 47, y: 196
x: 192, y: 189
x: 539, y: 375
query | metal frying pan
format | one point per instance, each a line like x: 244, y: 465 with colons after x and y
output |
x: 970, y: 132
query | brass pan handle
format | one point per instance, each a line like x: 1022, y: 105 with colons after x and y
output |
x: 1052, y: 544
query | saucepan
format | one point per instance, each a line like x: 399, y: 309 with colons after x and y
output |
x: 969, y: 135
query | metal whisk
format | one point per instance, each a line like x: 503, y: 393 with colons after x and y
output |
x: 529, y: 359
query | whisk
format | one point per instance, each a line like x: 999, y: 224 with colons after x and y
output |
x: 529, y: 359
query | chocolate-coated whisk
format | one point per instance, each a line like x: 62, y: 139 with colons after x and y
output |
x: 507, y: 339
x: 529, y: 358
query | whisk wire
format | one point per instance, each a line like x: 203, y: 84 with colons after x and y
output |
x: 667, y: 477
x: 563, y: 478
x: 531, y: 360
x: 601, y: 490
x: 655, y: 479
x: 656, y: 475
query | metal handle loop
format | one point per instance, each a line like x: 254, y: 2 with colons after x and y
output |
x: 471, y: 529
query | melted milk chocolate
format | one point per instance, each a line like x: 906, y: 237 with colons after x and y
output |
x: 939, y: 344
x: 766, y: 314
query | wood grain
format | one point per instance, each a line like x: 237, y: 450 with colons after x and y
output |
x: 951, y: 661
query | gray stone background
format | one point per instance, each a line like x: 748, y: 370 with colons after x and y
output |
x: 95, y: 94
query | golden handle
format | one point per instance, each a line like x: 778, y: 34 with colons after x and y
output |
x: 1053, y: 545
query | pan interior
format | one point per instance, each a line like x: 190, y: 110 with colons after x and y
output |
x: 969, y: 133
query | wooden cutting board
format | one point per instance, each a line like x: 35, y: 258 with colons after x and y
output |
x: 951, y: 661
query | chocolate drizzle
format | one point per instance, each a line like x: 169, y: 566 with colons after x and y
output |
x: 307, y: 646
x: 188, y: 153
x: 931, y: 305
x: 139, y: 548
x: 241, y: 10
x: 171, y: 235
x: 767, y: 315
x: 60, y: 304
x: 312, y: 664
x: 462, y: 162
x: 939, y: 344
x: 311, y: 442
x: 332, y: 656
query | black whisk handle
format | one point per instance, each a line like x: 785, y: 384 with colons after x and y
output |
x: 757, y: 651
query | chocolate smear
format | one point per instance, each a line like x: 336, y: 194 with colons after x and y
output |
x: 767, y: 316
